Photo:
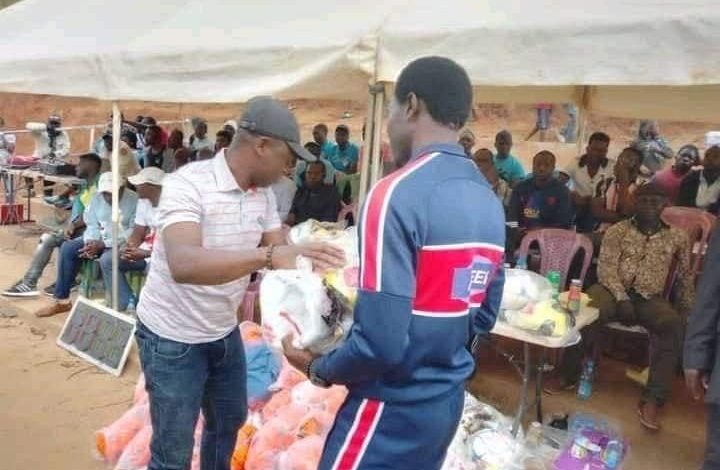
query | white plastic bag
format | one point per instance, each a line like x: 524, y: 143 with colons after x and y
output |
x: 523, y: 287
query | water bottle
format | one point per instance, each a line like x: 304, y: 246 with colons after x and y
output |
x: 612, y: 456
x: 585, y: 387
x: 521, y: 263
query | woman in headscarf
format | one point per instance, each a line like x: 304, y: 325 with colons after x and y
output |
x: 652, y: 146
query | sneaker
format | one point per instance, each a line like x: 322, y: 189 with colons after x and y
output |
x: 50, y: 290
x: 556, y: 386
x: 20, y: 289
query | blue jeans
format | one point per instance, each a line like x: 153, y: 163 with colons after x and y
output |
x: 68, y: 267
x: 181, y: 379
x: 124, y: 291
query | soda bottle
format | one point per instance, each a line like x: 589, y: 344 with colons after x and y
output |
x: 574, y: 296
x: 586, y: 379
x: 554, y: 278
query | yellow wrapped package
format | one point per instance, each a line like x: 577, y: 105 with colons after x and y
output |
x: 547, y: 318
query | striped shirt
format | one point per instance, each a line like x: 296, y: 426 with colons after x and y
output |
x: 205, y: 193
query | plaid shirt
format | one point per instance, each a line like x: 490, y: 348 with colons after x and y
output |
x: 631, y: 260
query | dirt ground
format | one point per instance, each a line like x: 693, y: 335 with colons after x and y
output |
x: 51, y: 402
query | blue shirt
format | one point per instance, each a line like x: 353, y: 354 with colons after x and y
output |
x: 430, y: 276
x: 98, y: 218
x: 343, y: 159
x: 509, y: 168
x: 535, y: 207
x: 327, y: 148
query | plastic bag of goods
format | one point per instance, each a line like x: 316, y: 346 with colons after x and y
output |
x: 523, y: 287
x: 263, y: 364
x: 136, y: 454
x: 302, y: 455
x: 110, y: 441
x: 345, y: 280
x: 316, y: 310
x: 481, y: 425
x: 546, y: 318
x: 594, y: 443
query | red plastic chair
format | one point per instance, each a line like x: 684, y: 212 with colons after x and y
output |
x: 248, y: 304
x: 699, y: 225
x: 558, y: 249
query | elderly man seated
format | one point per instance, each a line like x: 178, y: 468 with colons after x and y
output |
x: 135, y: 255
x: 315, y: 200
x: 98, y: 238
x: 636, y: 258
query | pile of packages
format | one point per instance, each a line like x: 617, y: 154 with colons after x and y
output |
x: 529, y: 303
x: 316, y: 309
x: 286, y: 428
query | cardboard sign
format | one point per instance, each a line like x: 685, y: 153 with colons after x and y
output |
x: 99, y: 335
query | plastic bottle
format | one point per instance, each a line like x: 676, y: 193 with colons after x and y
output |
x: 612, y: 456
x: 574, y: 296
x: 554, y: 278
x: 586, y: 379
x: 521, y: 263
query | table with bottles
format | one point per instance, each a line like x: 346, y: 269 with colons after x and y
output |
x: 529, y: 370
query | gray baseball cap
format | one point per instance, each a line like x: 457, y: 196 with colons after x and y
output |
x: 270, y: 118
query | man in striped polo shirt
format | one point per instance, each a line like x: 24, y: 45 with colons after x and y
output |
x: 432, y: 238
x: 218, y: 224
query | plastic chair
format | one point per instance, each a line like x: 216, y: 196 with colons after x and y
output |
x: 558, y: 249
x: 249, y: 301
x: 699, y: 225
x: 346, y: 210
x: 89, y: 271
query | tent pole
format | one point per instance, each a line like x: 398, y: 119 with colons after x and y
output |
x: 91, y: 145
x: 366, y: 151
x: 376, y: 163
x: 582, y: 119
x: 115, y: 165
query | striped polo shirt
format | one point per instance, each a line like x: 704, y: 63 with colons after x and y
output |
x: 205, y: 193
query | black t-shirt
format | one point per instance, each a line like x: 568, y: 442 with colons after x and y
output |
x: 321, y: 203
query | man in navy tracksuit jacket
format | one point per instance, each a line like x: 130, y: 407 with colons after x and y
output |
x: 431, y: 248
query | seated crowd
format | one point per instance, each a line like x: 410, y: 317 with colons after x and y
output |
x: 643, y: 275
x: 617, y: 202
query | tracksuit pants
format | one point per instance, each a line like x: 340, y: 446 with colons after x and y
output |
x: 373, y: 435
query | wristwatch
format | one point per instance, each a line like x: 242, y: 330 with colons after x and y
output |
x: 314, y: 378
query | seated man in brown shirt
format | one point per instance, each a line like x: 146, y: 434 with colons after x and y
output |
x: 636, y: 258
x: 315, y: 200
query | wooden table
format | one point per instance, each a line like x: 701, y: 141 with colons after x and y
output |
x: 585, y: 317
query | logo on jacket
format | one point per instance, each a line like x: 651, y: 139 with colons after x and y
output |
x: 472, y: 280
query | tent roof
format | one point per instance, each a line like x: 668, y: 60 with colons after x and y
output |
x: 662, y: 57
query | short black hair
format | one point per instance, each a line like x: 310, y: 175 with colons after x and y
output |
x: 599, y: 137
x: 155, y: 128
x: 224, y: 133
x: 321, y: 127
x: 546, y: 152
x: 313, y: 148
x: 691, y: 148
x: 131, y: 137
x: 633, y: 150
x: 442, y: 84
x: 150, y: 120
x: 504, y: 134
x: 92, y: 157
x: 322, y: 165
x: 650, y: 189
x: 343, y: 128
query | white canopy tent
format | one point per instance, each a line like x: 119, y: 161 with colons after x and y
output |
x: 638, y: 59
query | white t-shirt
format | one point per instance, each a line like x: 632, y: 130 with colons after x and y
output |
x: 707, y: 194
x: 580, y: 180
x: 147, y: 216
x: 205, y: 193
x: 284, y: 190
